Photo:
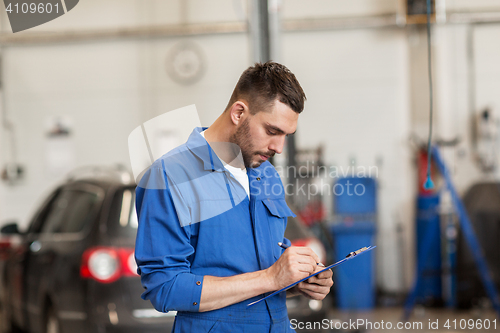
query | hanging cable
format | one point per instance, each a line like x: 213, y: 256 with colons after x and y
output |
x: 429, y: 184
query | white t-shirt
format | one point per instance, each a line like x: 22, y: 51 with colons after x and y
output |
x: 239, y: 174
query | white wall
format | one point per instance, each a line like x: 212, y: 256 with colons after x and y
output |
x: 357, y: 87
x: 452, y: 96
x: 92, y: 85
x: 365, y: 94
x: 106, y: 88
x: 472, y: 6
x: 297, y: 9
x: 112, y: 14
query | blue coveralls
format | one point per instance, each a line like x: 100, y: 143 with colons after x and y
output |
x: 196, y: 219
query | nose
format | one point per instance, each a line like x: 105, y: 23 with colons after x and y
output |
x: 277, y: 144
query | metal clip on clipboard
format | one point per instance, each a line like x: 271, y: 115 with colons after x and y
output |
x: 350, y: 256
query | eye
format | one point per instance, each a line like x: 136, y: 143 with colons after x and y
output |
x: 271, y: 132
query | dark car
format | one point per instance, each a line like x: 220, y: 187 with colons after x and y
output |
x: 73, y: 269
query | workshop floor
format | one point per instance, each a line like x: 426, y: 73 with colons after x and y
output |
x: 436, y: 320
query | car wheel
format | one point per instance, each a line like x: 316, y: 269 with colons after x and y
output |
x: 6, y: 323
x: 4, y: 326
x: 51, y: 322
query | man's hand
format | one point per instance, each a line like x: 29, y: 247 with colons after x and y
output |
x: 294, y: 264
x: 316, y: 287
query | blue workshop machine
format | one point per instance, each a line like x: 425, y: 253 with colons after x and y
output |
x: 355, y: 209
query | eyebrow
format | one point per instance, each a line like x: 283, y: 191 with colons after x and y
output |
x: 277, y: 129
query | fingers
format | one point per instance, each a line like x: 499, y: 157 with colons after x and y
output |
x: 313, y: 291
x: 306, y: 268
x: 294, y: 264
x: 313, y: 295
x: 325, y: 275
x: 304, y: 251
x: 315, y: 287
x: 306, y: 260
x: 305, y: 263
x: 308, y: 265
x: 327, y: 282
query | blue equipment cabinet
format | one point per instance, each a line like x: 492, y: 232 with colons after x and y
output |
x: 355, y: 208
x: 428, y: 223
x: 354, y: 280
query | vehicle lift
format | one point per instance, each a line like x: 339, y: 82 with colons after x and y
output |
x: 470, y: 238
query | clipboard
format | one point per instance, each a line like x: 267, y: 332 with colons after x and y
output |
x: 350, y: 256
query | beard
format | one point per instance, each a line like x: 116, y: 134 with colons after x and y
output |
x: 243, y: 139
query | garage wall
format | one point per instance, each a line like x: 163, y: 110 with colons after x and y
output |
x: 472, y: 6
x: 112, y: 14
x: 295, y: 9
x: 107, y: 88
x: 357, y: 87
x: 463, y: 87
x: 366, y: 93
x: 92, y: 86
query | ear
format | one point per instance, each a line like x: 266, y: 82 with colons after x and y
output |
x: 238, y: 111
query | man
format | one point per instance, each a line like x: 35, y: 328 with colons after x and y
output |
x: 211, y: 216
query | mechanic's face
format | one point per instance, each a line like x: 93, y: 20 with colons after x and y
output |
x: 262, y: 135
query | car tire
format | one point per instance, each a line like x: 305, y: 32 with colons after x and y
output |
x: 4, y: 320
x: 6, y: 323
x: 51, y: 321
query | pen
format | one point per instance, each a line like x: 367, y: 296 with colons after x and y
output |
x: 284, y: 246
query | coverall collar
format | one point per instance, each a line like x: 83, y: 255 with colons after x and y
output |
x: 197, y: 144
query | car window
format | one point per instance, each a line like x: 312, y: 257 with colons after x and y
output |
x: 80, y: 212
x: 123, y: 218
x: 70, y: 212
x: 55, y: 216
x: 40, y: 216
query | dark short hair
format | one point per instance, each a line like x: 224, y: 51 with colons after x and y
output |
x: 260, y: 85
